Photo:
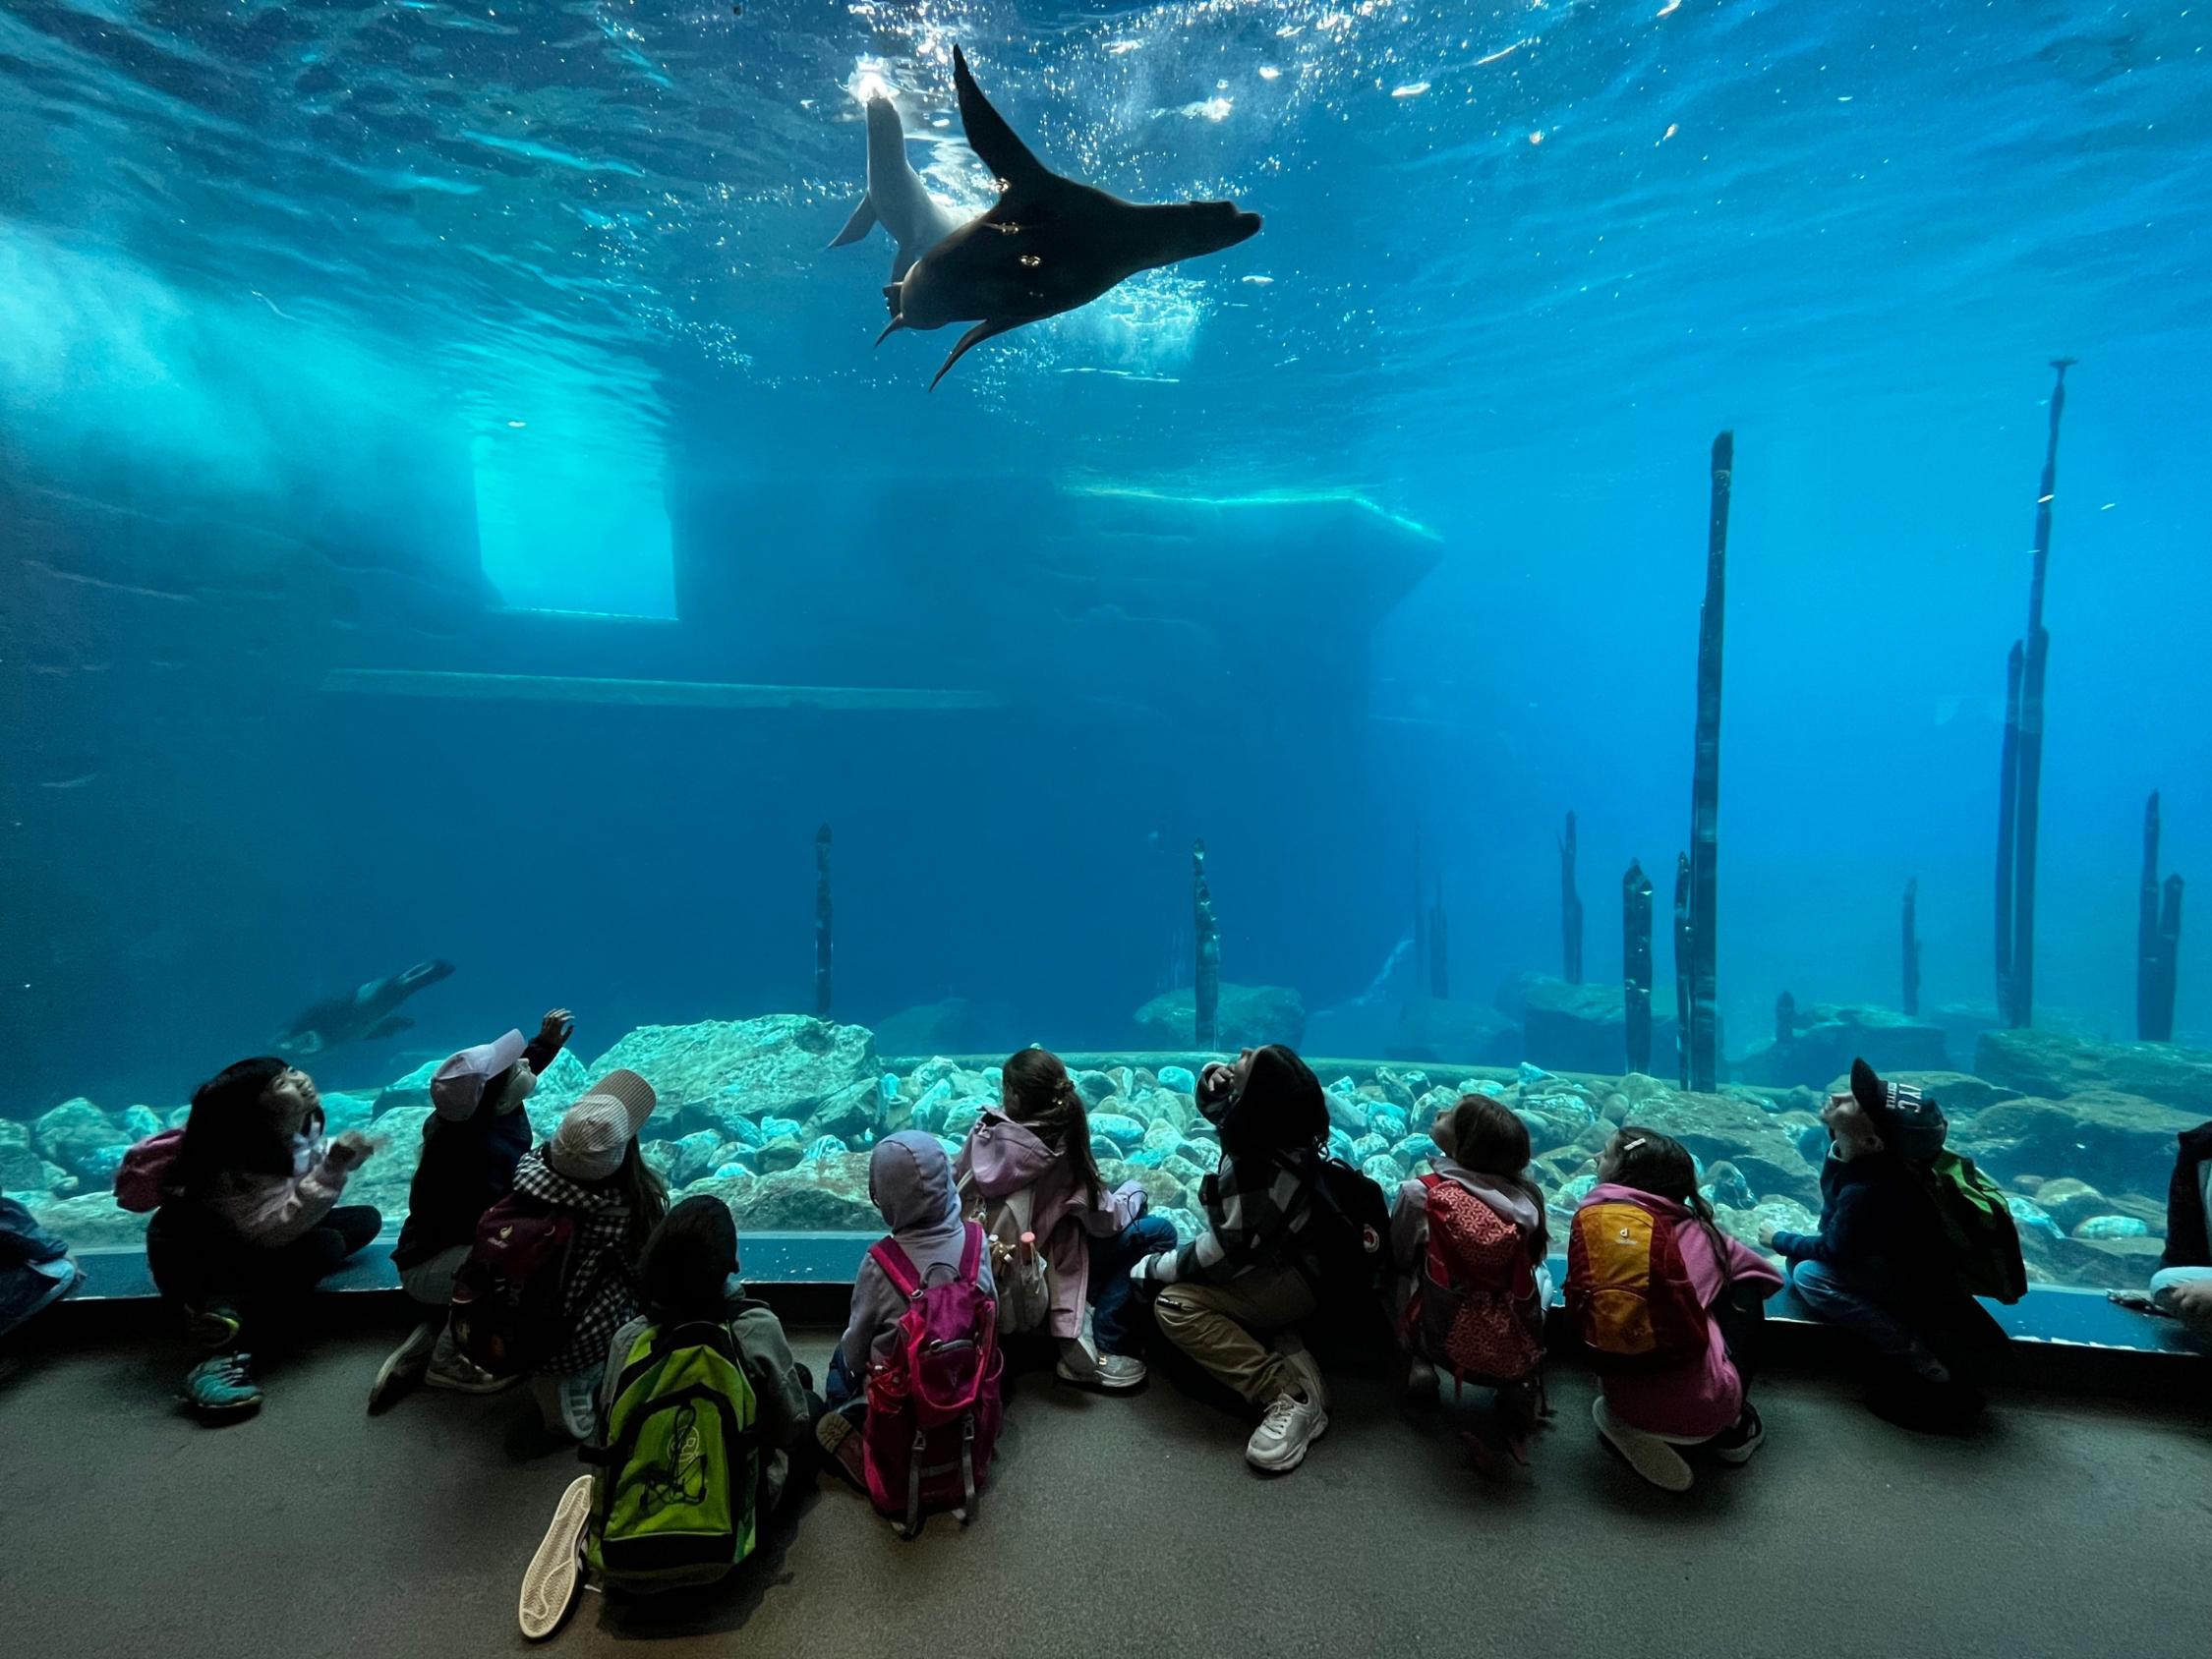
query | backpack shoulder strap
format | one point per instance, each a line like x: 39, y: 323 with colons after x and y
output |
x: 898, y: 1267
x: 971, y: 1254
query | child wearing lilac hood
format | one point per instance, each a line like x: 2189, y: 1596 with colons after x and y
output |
x: 1032, y: 1157
x: 910, y: 1182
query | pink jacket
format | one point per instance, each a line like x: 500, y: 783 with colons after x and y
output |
x: 274, y: 1210
x: 1703, y: 1398
x: 1000, y: 1159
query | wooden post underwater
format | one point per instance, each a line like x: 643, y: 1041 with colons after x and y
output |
x: 822, y: 939
x: 2008, y: 807
x: 2018, y: 1008
x: 2158, y: 939
x: 1702, y: 1039
x: 1570, y: 907
x: 1911, y: 1001
x: 1636, y: 964
x: 1786, y: 1020
x: 1205, y: 984
x: 1682, y: 950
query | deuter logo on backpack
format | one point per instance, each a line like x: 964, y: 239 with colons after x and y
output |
x: 1628, y: 1292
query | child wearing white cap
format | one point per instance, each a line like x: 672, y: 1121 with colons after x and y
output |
x: 475, y: 1137
x: 593, y: 1168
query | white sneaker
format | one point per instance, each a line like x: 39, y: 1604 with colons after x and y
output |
x: 1293, y: 1423
x: 1291, y: 1347
x: 569, y: 1403
x: 1647, y: 1454
x: 404, y: 1366
x: 1086, y: 1366
x: 453, y: 1370
x: 555, y: 1573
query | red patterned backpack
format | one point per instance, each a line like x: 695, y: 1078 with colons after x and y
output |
x: 1473, y: 1309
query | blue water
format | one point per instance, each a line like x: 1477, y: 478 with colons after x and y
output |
x: 358, y: 336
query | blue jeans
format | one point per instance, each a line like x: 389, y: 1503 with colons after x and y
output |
x: 840, y: 1385
x: 1115, y: 1318
x: 1830, y: 1296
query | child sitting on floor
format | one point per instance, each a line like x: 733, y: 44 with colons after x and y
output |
x: 634, y: 1522
x: 1469, y: 1242
x: 475, y: 1137
x: 1877, y: 1266
x: 592, y: 1182
x: 249, y: 1218
x: 1672, y: 1309
x: 1027, y: 1169
x: 931, y: 1244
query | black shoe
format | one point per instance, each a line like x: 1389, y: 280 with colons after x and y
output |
x: 1738, y: 1444
x: 1925, y: 1407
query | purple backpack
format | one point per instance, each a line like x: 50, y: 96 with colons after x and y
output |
x: 933, y: 1406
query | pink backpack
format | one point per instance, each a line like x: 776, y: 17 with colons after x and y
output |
x: 1471, y: 1304
x: 143, y: 1177
x: 933, y: 1406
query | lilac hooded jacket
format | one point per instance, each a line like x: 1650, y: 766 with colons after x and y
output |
x: 911, y: 1183
x: 1003, y: 1157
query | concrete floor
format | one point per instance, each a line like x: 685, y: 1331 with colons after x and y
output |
x: 1112, y: 1526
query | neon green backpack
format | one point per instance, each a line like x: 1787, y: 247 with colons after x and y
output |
x: 672, y: 1501
x: 1978, y: 1228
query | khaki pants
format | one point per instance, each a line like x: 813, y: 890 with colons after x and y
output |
x: 1222, y: 1326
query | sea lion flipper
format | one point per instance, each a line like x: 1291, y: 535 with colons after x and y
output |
x: 863, y: 220
x: 992, y: 140
x: 974, y: 337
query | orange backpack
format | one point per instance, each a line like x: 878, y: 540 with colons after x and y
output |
x: 1628, y: 1292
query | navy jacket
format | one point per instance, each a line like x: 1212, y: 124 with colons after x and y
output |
x: 1877, y: 1226
x: 467, y: 1167
x: 2185, y: 1242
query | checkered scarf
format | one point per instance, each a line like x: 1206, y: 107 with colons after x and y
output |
x: 601, y: 1296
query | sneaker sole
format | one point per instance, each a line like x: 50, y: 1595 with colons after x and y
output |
x: 402, y: 1369
x: 1320, y: 1427
x: 555, y: 1575
x: 1671, y: 1474
x: 1100, y: 1381
x: 1740, y: 1453
x: 497, y: 1385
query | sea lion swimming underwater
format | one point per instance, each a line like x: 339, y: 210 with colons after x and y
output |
x: 1048, y: 246
x: 361, y: 1017
x: 896, y: 198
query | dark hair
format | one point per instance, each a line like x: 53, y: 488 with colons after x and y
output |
x: 1280, y: 1109
x: 687, y: 1260
x: 1662, y: 1167
x: 1043, y: 1100
x: 646, y: 1194
x: 229, y: 1129
x: 1487, y: 1137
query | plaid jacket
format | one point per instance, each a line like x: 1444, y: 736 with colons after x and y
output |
x: 1257, y: 1207
x: 601, y: 1294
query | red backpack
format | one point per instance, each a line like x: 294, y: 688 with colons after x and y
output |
x: 933, y: 1406
x: 1628, y: 1292
x: 142, y: 1180
x: 507, y: 1295
x: 1470, y: 1308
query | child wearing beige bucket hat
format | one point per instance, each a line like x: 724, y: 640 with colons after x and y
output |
x: 593, y: 1168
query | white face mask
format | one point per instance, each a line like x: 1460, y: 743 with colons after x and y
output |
x: 521, y: 1085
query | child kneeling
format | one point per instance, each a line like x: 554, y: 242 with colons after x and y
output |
x: 700, y: 1408
x: 1469, y: 1242
x: 1672, y: 1309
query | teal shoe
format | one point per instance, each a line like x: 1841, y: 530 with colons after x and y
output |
x: 223, y: 1386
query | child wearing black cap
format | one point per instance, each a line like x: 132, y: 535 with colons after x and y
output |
x: 1232, y: 1297
x: 1876, y: 1267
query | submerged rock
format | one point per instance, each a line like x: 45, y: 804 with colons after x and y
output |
x: 1575, y: 1027
x: 826, y: 1194
x: 1123, y: 1132
x: 22, y: 1168
x: 1435, y: 1029
x: 1959, y: 1093
x: 953, y: 1026
x: 785, y: 1065
x: 1248, y: 1016
x: 2115, y: 1143
x: 2112, y: 1227
x: 2048, y: 1066
x: 76, y: 1135
x: 1715, y: 1127
x: 1830, y: 1036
